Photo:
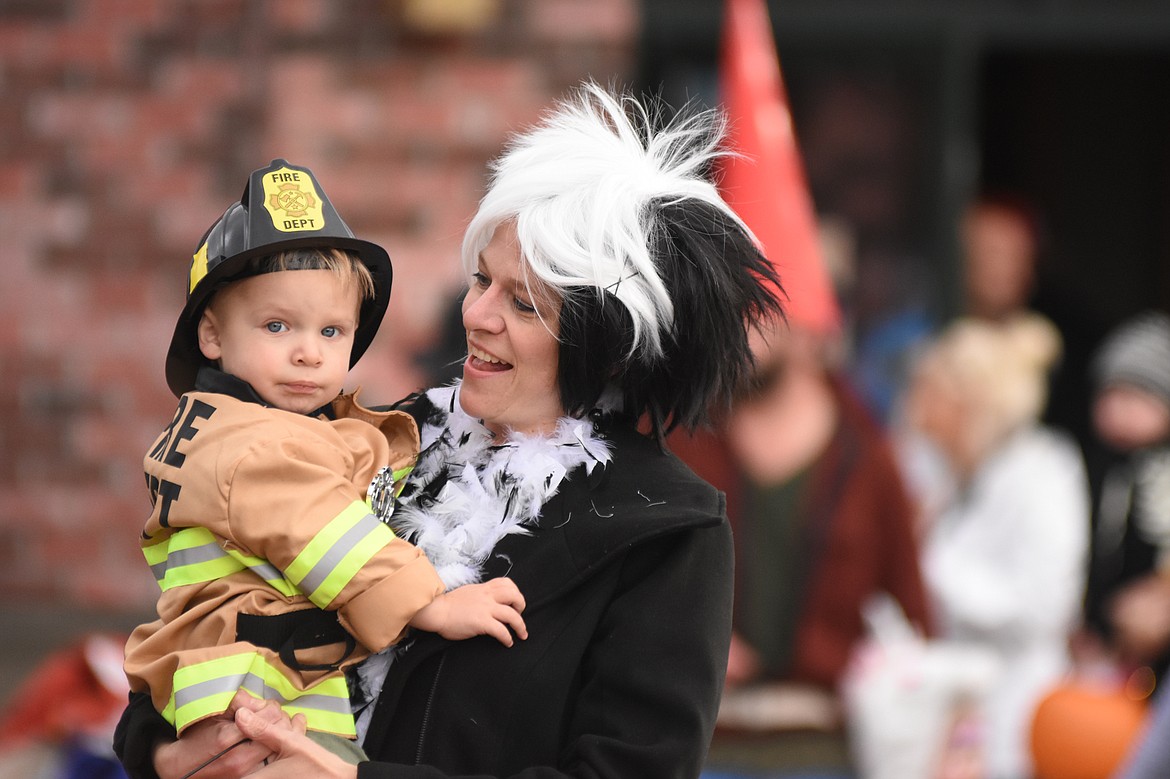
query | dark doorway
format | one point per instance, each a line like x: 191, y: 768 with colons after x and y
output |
x: 1085, y: 136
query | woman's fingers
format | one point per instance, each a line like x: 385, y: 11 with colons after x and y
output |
x: 261, y: 730
x: 295, y: 755
x: 215, y: 737
x: 266, y: 709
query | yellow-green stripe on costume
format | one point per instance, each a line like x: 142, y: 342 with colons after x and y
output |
x: 337, y: 553
x: 194, y: 555
x: 205, y: 689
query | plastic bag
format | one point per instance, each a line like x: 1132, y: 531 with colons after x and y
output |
x: 914, y: 706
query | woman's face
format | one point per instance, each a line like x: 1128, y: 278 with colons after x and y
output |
x: 510, y: 376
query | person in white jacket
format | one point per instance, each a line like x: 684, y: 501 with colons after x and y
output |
x: 1004, y: 557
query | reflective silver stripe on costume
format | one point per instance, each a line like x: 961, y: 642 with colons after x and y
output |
x: 317, y: 575
x: 258, y: 687
x: 266, y: 571
x: 191, y: 556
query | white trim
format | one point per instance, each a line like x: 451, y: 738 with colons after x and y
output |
x: 492, y: 490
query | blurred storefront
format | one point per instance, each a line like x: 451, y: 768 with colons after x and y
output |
x: 904, y: 111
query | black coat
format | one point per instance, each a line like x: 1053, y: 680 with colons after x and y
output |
x: 628, y: 583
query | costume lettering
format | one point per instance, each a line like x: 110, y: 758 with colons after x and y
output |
x: 166, y: 451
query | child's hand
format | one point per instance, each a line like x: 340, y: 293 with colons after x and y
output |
x: 487, y: 609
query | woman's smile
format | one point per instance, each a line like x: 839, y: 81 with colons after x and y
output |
x: 481, y: 360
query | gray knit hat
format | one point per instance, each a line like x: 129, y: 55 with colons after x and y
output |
x: 1137, y: 353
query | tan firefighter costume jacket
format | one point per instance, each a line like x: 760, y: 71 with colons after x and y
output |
x: 260, y: 513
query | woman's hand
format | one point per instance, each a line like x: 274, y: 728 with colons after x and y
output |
x: 490, y: 609
x: 294, y: 755
x: 213, y: 736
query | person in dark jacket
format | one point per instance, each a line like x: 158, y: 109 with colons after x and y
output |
x: 1127, y: 601
x: 611, y: 295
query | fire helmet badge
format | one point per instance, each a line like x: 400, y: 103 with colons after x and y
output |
x: 292, y: 201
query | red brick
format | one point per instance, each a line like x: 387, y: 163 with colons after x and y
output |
x: 16, y: 179
x: 179, y: 222
x: 584, y: 21
x: 137, y: 124
x: 122, y: 13
x: 162, y: 183
x: 202, y: 82
x: 25, y: 44
x: 302, y: 16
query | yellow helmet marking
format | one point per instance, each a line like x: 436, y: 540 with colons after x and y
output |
x: 198, y: 268
x: 292, y: 201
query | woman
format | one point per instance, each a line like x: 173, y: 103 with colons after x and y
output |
x: 610, y: 287
x: 1004, y: 559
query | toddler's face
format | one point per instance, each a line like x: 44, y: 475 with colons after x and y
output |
x: 289, y: 334
x: 1127, y: 417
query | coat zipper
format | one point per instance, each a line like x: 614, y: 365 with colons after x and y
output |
x: 422, y: 734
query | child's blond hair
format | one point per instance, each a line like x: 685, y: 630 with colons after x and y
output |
x: 345, y: 265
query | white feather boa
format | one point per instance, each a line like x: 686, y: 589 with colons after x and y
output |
x: 488, y: 490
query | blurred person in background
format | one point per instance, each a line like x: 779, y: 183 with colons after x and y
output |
x: 1124, y: 647
x: 1000, y: 237
x: 1005, y: 268
x: 999, y: 241
x: 1127, y: 603
x: 1004, y: 554
x: 822, y: 523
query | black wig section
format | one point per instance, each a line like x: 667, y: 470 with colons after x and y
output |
x: 720, y: 285
x: 596, y: 332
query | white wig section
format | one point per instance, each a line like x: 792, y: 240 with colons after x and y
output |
x: 582, y: 188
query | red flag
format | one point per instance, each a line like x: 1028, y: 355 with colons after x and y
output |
x: 766, y: 186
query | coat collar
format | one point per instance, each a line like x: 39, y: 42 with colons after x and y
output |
x: 641, y: 495
x: 637, y: 493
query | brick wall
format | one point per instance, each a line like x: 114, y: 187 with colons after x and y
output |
x: 129, y: 125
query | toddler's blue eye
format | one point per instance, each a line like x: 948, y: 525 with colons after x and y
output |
x: 275, y: 327
x: 330, y: 332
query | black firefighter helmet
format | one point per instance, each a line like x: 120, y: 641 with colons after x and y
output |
x: 283, y: 207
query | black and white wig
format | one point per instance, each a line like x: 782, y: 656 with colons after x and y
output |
x: 660, y: 280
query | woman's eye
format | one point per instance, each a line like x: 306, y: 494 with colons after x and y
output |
x: 275, y: 327
x: 524, y: 307
x: 479, y: 280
